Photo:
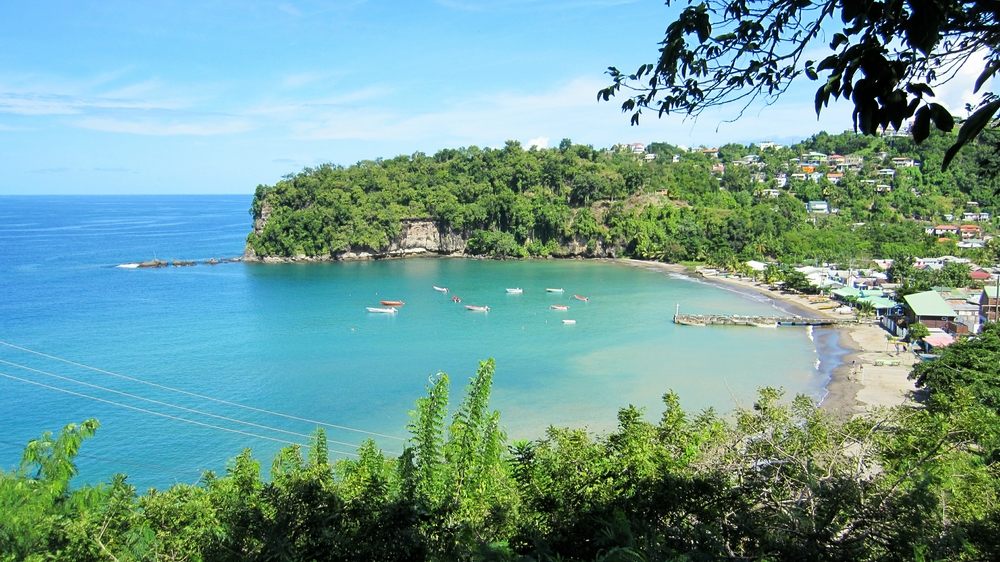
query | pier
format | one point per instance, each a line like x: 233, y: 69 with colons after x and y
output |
x: 760, y: 321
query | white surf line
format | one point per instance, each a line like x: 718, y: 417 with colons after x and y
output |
x: 202, y: 396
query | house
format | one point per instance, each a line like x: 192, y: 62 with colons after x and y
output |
x: 751, y: 158
x: 887, y: 172
x: 649, y: 157
x: 677, y: 158
x: 968, y: 231
x: 800, y: 177
x: 945, y: 229
x: 781, y: 180
x: 989, y: 304
x: 903, y: 162
x: 835, y: 160
x: 770, y: 193
x: 984, y: 217
x: 818, y: 207
x: 835, y: 178
x: 949, y: 217
x: 972, y: 243
x: 816, y: 176
x: 771, y: 145
x: 980, y: 275
x: 815, y: 158
x: 883, y: 188
x: 758, y: 178
x: 713, y: 152
x: 638, y: 148
x: 854, y: 162
x: 719, y: 169
x: 930, y: 309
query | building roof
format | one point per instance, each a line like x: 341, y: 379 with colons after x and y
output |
x: 939, y: 340
x: 879, y: 302
x: 980, y: 274
x: 929, y: 303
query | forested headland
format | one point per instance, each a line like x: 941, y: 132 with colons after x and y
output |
x: 678, y: 205
x: 781, y: 480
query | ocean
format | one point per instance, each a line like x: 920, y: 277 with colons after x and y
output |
x: 187, y: 366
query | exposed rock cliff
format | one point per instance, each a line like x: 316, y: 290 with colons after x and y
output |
x: 420, y: 237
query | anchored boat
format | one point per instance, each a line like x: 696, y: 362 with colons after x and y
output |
x: 388, y: 310
x: 516, y: 291
x: 579, y: 298
x: 560, y: 307
x: 456, y: 299
x: 569, y: 321
x: 442, y: 289
x: 551, y: 290
x: 477, y: 308
x: 392, y: 303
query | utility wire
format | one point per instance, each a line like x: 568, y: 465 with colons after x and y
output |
x: 202, y: 396
x: 118, y: 461
x: 172, y: 405
x: 162, y: 414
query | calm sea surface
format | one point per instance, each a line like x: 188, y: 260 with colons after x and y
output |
x: 296, y: 339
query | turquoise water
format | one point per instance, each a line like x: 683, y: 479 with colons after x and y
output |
x: 296, y: 338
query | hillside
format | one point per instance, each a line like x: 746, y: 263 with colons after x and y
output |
x: 659, y: 202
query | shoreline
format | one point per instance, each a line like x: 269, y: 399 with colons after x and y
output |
x: 850, y: 389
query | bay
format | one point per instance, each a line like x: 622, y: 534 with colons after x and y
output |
x: 296, y: 339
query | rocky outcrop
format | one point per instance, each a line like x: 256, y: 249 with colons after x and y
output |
x: 421, y: 237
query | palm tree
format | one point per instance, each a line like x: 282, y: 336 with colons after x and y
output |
x: 866, y: 309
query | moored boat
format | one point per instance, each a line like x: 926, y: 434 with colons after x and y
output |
x: 478, y: 308
x: 456, y: 299
x: 559, y: 306
x: 688, y: 323
x: 388, y: 310
x: 579, y: 298
x: 442, y: 289
x: 551, y: 290
x: 516, y: 291
x: 569, y: 321
x: 392, y: 303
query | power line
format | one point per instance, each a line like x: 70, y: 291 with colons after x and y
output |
x: 202, y: 396
x: 171, y: 405
x: 162, y: 414
x: 119, y: 461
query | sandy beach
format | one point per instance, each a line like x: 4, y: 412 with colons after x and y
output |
x: 871, y: 374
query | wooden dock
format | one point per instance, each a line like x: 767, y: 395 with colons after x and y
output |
x: 759, y: 321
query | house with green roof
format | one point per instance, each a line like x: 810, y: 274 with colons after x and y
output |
x: 931, y: 310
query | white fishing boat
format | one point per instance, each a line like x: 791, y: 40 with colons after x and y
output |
x: 560, y: 306
x: 551, y: 290
x: 442, y: 289
x: 380, y: 310
x: 477, y: 308
x: 516, y: 291
x: 569, y: 321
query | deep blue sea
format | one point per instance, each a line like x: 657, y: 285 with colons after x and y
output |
x: 296, y: 339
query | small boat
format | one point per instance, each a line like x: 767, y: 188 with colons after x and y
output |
x: 764, y: 324
x: 516, y: 291
x: 478, y: 308
x: 579, y: 298
x: 456, y: 299
x: 389, y: 310
x: 560, y: 307
x: 442, y: 289
x: 392, y: 303
x: 551, y: 290
x: 569, y: 321
x: 688, y: 323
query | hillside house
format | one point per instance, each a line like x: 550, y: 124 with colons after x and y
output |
x: 818, y: 207
x: 854, y: 162
x: 883, y: 188
x: 945, y: 229
x: 649, y: 157
x: 903, y: 162
x: 989, y: 304
x: 968, y: 231
x: 781, y: 180
x: 713, y: 152
x: 929, y: 309
x: 888, y: 172
x: 769, y: 193
x: 835, y: 178
x: 835, y: 160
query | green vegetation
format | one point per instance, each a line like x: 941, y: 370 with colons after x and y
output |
x: 778, y: 481
x: 517, y: 203
x: 882, y: 56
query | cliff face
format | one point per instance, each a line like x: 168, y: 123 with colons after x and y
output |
x: 418, y: 237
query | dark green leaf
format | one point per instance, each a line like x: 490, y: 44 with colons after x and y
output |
x: 988, y: 73
x: 970, y: 129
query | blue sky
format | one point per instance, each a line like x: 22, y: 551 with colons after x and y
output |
x: 217, y: 97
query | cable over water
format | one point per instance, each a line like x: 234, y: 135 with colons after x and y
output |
x: 168, y: 416
x: 202, y: 396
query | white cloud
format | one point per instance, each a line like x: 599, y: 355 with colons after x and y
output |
x: 957, y: 91
x: 540, y: 142
x: 158, y: 128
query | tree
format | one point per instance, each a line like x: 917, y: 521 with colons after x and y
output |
x: 918, y: 332
x: 885, y: 58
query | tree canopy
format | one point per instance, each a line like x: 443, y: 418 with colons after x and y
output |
x: 884, y: 56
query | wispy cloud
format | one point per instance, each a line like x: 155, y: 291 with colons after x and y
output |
x: 58, y: 170
x: 160, y: 128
